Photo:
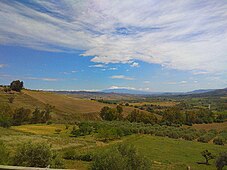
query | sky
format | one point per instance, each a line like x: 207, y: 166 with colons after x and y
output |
x: 149, y: 45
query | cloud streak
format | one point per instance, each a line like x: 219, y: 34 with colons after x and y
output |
x: 121, y: 77
x: 185, y: 35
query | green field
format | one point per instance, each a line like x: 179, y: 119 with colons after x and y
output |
x: 163, y: 152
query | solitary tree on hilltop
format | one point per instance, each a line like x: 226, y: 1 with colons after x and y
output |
x: 17, y: 85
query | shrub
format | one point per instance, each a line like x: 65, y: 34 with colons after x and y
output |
x: 11, y: 99
x: 221, y: 160
x: 208, y: 156
x: 218, y: 141
x: 3, y: 154
x: 5, y: 116
x: 73, y: 155
x: 33, y: 155
x: 120, y: 157
x: 109, y: 134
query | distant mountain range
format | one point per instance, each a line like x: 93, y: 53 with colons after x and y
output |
x: 200, y: 92
x: 130, y: 91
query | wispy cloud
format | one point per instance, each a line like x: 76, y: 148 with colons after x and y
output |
x: 98, y: 66
x: 12, y: 77
x: 2, y: 65
x: 185, y: 35
x: 122, y: 77
x: 41, y: 78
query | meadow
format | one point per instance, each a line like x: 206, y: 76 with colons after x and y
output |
x: 163, y: 152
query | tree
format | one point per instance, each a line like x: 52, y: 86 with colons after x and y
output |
x: 21, y: 116
x: 120, y: 157
x: 5, y: 115
x: 110, y: 114
x: 208, y: 156
x: 17, y: 85
x: 221, y: 160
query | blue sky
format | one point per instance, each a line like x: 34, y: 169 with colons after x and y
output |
x: 99, y: 44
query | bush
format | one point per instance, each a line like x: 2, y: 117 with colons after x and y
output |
x: 218, y: 141
x: 3, y: 154
x: 5, y: 116
x: 221, y: 161
x: 33, y: 155
x: 120, y: 157
x: 11, y: 99
x: 73, y: 155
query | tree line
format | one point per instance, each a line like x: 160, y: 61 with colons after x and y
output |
x: 19, y: 116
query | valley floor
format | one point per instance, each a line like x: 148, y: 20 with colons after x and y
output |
x: 163, y: 152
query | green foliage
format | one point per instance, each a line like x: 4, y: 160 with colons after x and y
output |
x: 120, y: 157
x: 41, y: 116
x: 174, y: 115
x: 33, y: 155
x: 221, y: 160
x: 5, y: 116
x: 109, y: 134
x: 137, y: 116
x: 21, y: 116
x: 207, y: 137
x: 218, y: 141
x: 73, y: 155
x: 17, y: 85
x: 110, y: 114
x: 3, y: 153
x: 208, y: 156
x: 84, y: 129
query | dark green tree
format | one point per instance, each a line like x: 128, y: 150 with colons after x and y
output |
x: 221, y: 160
x: 208, y: 156
x: 17, y: 85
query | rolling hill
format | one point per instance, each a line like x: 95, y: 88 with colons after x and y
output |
x: 67, y: 108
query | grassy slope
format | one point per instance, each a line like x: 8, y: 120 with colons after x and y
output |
x: 165, y: 153
x: 66, y: 108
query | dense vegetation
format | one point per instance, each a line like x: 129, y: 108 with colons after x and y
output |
x: 107, y: 131
x: 121, y: 157
x: 9, y: 117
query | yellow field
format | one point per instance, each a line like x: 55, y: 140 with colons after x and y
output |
x: 41, y: 129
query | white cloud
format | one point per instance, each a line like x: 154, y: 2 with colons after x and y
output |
x: 113, y: 68
x: 122, y: 77
x: 98, y: 66
x: 134, y: 64
x: 185, y: 35
x: 41, y: 78
x: 121, y: 87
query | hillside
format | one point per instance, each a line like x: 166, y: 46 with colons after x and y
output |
x: 67, y: 108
